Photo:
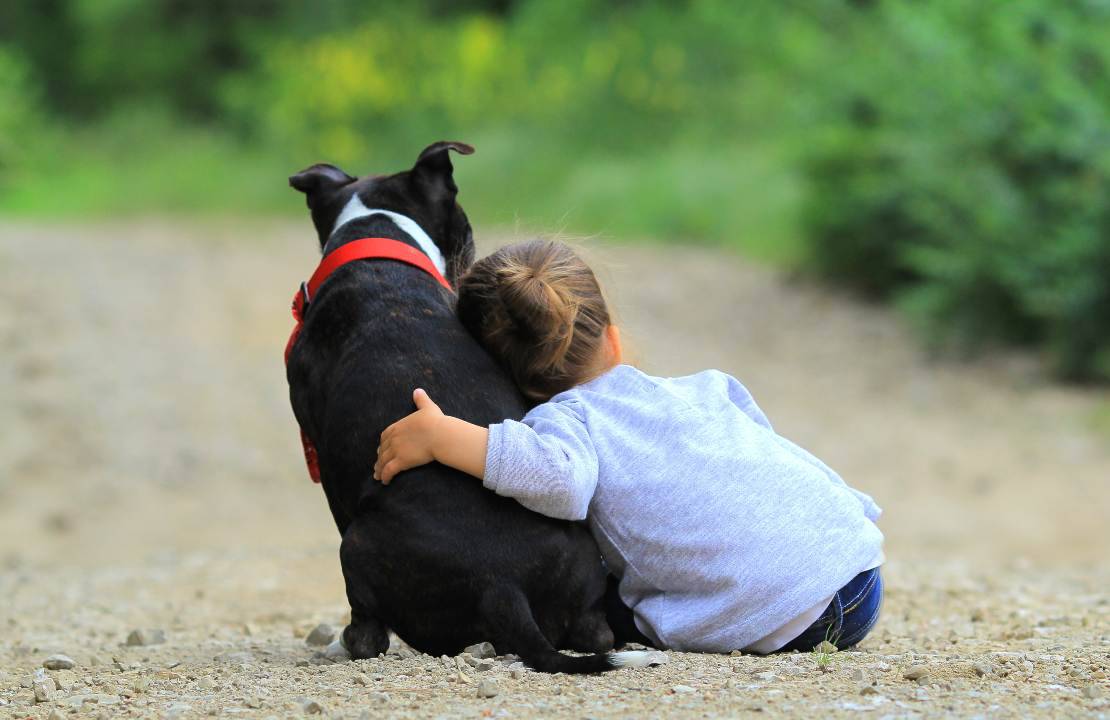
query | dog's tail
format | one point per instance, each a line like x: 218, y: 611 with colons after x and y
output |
x: 509, y: 610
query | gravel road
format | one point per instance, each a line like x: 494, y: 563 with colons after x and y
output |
x: 151, y: 481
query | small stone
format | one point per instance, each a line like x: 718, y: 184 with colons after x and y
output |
x: 517, y: 673
x: 484, y: 665
x: 56, y: 714
x: 43, y: 686
x: 310, y: 706
x: 322, y: 634
x: 984, y: 669
x: 915, y: 672
x: 488, y: 688
x: 382, y: 697
x: 336, y: 652
x: 682, y: 689
x: 1091, y: 692
x: 362, y: 679
x: 149, y: 636
x: 859, y: 675
x: 825, y: 648
x: 766, y: 676
x: 65, y: 679
x: 482, y: 650
x: 252, y: 701
x: 869, y: 690
x: 59, y: 662
x: 177, y: 710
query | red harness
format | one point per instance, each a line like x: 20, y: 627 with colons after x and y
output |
x: 364, y: 249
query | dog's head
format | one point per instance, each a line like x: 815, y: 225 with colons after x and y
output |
x: 426, y: 193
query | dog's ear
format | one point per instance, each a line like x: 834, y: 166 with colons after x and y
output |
x: 319, y: 177
x: 433, y: 168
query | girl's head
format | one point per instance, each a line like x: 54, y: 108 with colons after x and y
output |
x: 536, y: 306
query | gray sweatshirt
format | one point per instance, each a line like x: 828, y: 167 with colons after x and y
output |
x: 720, y: 530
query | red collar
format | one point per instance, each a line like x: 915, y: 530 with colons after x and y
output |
x: 364, y: 249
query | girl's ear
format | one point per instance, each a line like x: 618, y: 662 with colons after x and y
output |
x: 613, y: 343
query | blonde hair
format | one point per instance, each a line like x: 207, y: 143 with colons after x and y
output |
x: 537, y: 308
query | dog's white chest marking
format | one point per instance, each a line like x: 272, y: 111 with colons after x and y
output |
x: 355, y: 209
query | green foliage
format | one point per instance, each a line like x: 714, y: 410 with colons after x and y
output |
x: 949, y: 156
x: 967, y: 176
x: 19, y: 111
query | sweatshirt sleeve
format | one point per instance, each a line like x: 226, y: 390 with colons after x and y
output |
x: 545, y: 462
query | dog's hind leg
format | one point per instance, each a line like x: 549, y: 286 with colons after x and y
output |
x: 590, y: 633
x: 366, y: 636
x: 506, y: 609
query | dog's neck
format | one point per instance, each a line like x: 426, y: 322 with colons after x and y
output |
x: 355, y: 209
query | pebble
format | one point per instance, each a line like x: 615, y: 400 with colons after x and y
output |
x: 517, y: 673
x: 825, y: 647
x: 767, y: 676
x: 915, y: 672
x: 488, y: 688
x: 177, y: 710
x: 336, y: 652
x: 149, y: 636
x: 322, y: 634
x: 482, y: 650
x: 206, y: 683
x: 59, y: 662
x: 310, y: 706
x: 869, y: 690
x: 362, y: 679
x: 56, y: 714
x: 65, y: 679
x: 382, y: 697
x: 1091, y: 692
x: 859, y: 675
x: 984, y: 669
x: 483, y: 665
x: 682, y: 689
x: 43, y: 686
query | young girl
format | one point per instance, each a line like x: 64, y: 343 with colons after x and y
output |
x: 724, y: 535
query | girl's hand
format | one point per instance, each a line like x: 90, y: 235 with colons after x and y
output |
x: 410, y: 441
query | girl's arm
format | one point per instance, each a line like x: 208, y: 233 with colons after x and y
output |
x: 546, y: 462
x: 428, y: 435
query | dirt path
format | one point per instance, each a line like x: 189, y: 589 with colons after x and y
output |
x: 150, y: 477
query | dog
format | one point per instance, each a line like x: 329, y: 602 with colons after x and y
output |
x: 434, y: 556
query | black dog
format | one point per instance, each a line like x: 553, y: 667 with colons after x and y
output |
x: 433, y: 556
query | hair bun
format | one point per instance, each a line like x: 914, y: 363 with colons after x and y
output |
x: 540, y: 310
x: 537, y: 308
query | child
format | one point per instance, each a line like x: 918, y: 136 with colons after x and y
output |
x: 723, y: 534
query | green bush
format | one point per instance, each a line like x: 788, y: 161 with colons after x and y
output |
x: 19, y: 114
x: 967, y: 175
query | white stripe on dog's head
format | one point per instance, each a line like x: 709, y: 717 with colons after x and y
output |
x: 355, y: 209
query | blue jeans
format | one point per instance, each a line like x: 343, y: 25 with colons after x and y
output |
x: 854, y: 610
